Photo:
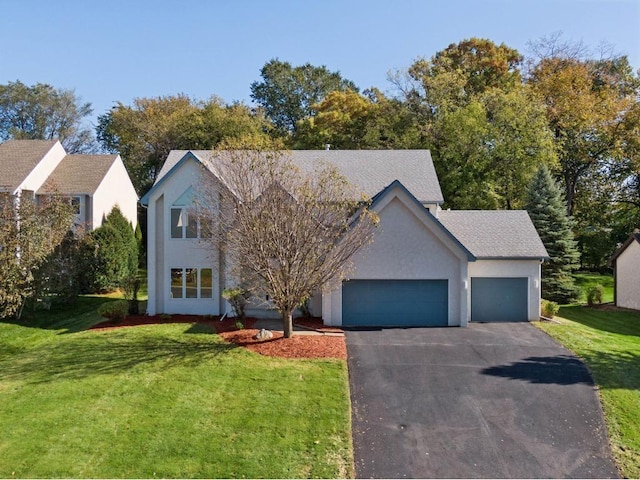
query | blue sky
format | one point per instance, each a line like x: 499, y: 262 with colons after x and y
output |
x: 116, y: 50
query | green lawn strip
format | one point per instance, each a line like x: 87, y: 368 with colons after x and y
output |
x: 158, y: 401
x: 586, y: 280
x: 609, y: 343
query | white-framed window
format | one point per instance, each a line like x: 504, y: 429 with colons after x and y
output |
x: 183, y: 223
x: 191, y: 282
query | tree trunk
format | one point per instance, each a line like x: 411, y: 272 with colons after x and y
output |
x: 287, y: 319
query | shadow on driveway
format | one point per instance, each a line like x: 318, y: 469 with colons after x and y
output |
x: 559, y: 369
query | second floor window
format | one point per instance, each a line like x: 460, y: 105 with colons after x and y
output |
x: 183, y: 224
x: 184, y: 220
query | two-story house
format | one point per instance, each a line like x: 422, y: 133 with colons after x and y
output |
x: 425, y: 267
x: 94, y: 183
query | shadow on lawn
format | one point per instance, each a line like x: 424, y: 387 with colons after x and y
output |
x: 80, y: 316
x: 619, y: 370
x: 605, y: 318
x: 92, y: 356
x: 561, y: 370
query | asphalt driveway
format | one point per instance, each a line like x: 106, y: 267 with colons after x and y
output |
x: 490, y: 400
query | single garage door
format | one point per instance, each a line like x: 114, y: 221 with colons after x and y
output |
x: 395, y: 303
x: 499, y: 299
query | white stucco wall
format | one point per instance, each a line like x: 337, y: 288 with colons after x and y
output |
x: 177, y: 252
x: 43, y: 169
x: 510, y: 269
x: 628, y: 277
x: 407, y: 246
x: 115, y: 189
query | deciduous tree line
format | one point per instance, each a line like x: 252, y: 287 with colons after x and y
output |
x: 490, y: 116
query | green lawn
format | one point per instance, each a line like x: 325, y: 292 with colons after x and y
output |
x: 586, y: 280
x: 609, y: 343
x: 170, y: 400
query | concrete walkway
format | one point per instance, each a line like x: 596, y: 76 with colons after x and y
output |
x: 275, y: 325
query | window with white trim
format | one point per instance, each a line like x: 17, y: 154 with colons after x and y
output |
x: 184, y: 219
x: 183, y: 223
x: 189, y: 282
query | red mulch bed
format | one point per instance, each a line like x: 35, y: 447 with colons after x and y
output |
x: 299, y: 346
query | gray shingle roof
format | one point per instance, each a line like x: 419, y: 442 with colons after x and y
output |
x: 495, y: 233
x: 370, y: 170
x: 78, y: 174
x: 18, y: 158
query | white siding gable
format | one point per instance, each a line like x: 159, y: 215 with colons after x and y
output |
x: 408, y: 245
x: 628, y: 277
x: 115, y: 189
x: 43, y: 169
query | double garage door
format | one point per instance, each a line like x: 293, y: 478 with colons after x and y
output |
x: 395, y: 303
x: 425, y: 303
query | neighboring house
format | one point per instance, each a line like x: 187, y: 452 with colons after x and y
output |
x: 425, y: 267
x: 94, y: 183
x: 626, y: 273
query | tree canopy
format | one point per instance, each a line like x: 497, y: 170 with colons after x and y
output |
x: 43, y: 112
x: 287, y: 93
x: 590, y: 110
x: 455, y: 75
x: 144, y: 133
x: 348, y: 120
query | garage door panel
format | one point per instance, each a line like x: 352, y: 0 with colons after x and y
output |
x: 395, y: 303
x: 499, y: 299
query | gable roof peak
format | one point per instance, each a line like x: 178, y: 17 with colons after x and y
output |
x: 424, y: 213
x: 634, y: 236
x: 18, y: 158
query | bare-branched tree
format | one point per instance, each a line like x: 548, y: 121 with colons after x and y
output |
x: 286, y: 232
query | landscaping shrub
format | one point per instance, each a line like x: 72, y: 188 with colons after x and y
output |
x: 594, y: 295
x: 109, y: 255
x: 114, y: 310
x: 130, y: 288
x: 237, y: 297
x: 549, y: 309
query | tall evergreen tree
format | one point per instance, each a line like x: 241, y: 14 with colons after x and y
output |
x: 110, y: 254
x: 548, y: 211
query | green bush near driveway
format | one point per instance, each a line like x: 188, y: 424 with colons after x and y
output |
x: 168, y: 400
x: 608, y: 341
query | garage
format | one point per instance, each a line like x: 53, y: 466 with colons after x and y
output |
x: 499, y: 299
x: 395, y: 303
